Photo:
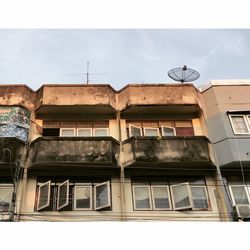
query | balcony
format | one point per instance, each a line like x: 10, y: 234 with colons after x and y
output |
x: 74, y: 151
x: 180, y: 151
x: 11, y: 150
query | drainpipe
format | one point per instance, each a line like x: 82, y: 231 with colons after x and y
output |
x: 122, y: 175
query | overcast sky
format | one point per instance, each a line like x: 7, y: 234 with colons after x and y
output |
x: 35, y: 57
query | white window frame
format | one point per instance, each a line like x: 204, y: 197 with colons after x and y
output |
x: 62, y: 129
x: 247, y: 190
x: 129, y: 128
x: 91, y: 196
x: 107, y: 183
x: 150, y: 197
x: 94, y: 129
x: 189, y: 196
x: 7, y: 186
x: 206, y: 193
x: 169, y: 197
x: 246, y: 122
x: 90, y: 129
x: 38, y: 198
x: 162, y: 130
x: 58, y: 195
x: 150, y: 128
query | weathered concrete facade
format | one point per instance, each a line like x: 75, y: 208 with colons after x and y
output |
x: 226, y: 109
x: 93, y: 153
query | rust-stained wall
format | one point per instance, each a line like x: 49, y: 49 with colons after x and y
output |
x: 17, y: 95
x: 157, y: 94
x: 77, y: 95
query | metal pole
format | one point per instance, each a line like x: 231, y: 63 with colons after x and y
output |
x: 87, y: 72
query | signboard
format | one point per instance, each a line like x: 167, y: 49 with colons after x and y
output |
x: 14, y: 122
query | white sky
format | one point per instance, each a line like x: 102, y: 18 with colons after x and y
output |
x: 38, y: 56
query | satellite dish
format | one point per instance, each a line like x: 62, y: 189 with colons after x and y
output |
x: 183, y: 74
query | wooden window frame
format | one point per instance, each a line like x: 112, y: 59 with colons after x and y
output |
x: 206, y: 193
x: 8, y: 186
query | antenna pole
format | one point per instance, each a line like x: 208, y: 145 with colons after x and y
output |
x: 87, y: 72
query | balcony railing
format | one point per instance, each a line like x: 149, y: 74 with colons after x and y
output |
x: 75, y: 150
x: 180, y: 150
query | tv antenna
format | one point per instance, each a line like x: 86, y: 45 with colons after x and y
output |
x: 87, y: 73
x: 183, y: 74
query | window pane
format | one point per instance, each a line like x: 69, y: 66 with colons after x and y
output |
x: 135, y: 131
x: 5, y: 198
x: 239, y: 194
x: 142, y: 197
x: 168, y: 131
x: 102, y: 196
x: 181, y: 196
x: 199, y: 197
x: 63, y: 195
x: 67, y: 132
x: 101, y: 132
x: 82, y: 197
x: 160, y: 196
x: 151, y: 132
x: 84, y: 132
x: 239, y: 124
x: 44, y: 195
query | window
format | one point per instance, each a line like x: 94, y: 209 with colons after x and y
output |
x: 71, y: 195
x: 240, y: 124
x: 168, y: 131
x: 142, y: 199
x: 83, y: 197
x: 151, y: 132
x: 63, y: 195
x: 102, y: 195
x: 240, y: 194
x: 134, y: 130
x: 161, y: 197
x: 157, y: 128
x: 43, y: 195
x: 100, y: 131
x: 84, y: 132
x: 67, y: 132
x: 181, y: 196
x: 156, y: 195
x: 5, y: 197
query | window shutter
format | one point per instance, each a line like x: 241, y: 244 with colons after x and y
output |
x: 63, y: 195
x: 43, y: 195
x: 181, y: 196
x: 102, y: 195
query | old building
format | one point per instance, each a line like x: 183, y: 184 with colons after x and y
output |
x: 94, y: 153
x: 227, y: 115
